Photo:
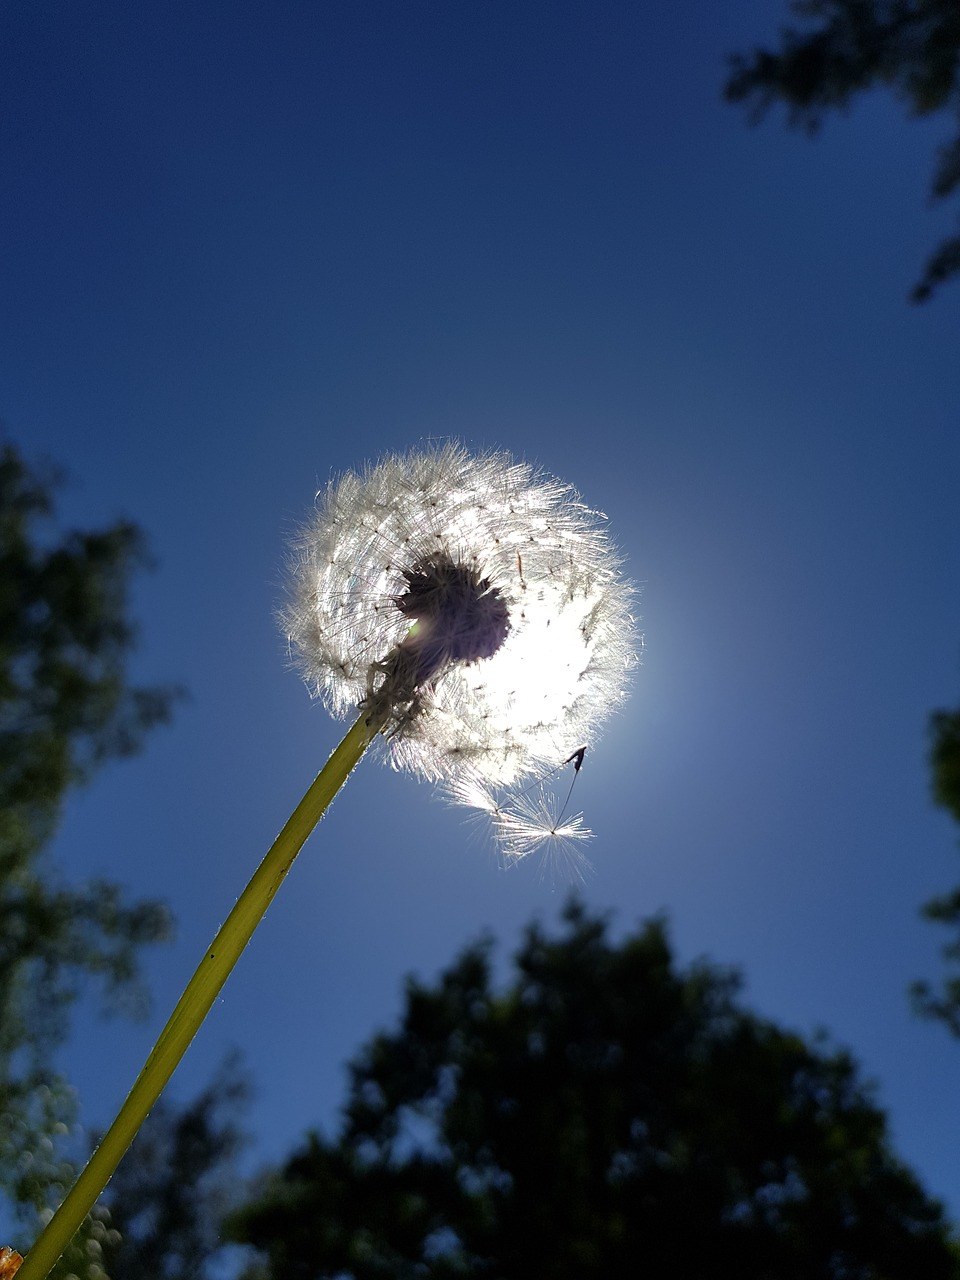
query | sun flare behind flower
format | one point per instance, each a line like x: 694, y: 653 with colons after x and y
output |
x: 473, y: 606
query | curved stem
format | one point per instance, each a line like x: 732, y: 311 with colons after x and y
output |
x: 194, y: 1004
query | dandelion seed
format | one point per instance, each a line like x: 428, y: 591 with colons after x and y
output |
x: 531, y: 819
x: 531, y: 823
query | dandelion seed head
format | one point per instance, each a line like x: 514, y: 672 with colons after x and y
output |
x: 473, y: 607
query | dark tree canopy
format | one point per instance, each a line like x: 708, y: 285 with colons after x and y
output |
x: 65, y: 704
x: 945, y: 780
x: 945, y: 759
x: 911, y: 47
x: 165, y: 1202
x: 65, y: 707
x: 606, y: 1115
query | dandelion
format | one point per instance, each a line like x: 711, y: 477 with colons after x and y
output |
x: 474, y: 607
x: 474, y: 613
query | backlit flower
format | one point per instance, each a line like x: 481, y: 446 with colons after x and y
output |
x: 474, y: 608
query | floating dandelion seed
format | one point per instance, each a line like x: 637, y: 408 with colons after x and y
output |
x: 531, y: 819
x: 471, y: 605
x: 531, y: 823
x: 474, y: 612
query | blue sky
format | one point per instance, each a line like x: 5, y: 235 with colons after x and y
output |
x: 246, y: 247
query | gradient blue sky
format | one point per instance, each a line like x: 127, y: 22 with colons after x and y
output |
x: 247, y: 246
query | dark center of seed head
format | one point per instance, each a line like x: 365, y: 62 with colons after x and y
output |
x: 456, y: 615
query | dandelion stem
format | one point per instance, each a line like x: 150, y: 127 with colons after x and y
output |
x: 195, y: 1003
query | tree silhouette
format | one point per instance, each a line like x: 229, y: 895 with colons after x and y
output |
x: 945, y: 779
x: 65, y: 708
x: 166, y: 1199
x: 605, y: 1115
x: 911, y: 47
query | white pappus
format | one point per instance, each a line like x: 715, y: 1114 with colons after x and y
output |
x: 473, y: 607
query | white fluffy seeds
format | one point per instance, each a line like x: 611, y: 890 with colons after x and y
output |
x: 472, y: 606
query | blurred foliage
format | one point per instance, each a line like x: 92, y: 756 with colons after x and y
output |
x: 65, y: 708
x: 166, y: 1200
x: 606, y: 1115
x: 945, y: 779
x: 911, y: 47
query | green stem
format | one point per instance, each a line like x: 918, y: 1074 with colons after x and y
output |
x: 194, y: 1004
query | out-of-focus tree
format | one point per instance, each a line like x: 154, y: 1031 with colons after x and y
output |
x: 173, y: 1187
x: 945, y: 780
x: 66, y: 706
x: 606, y: 1115
x: 911, y: 47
